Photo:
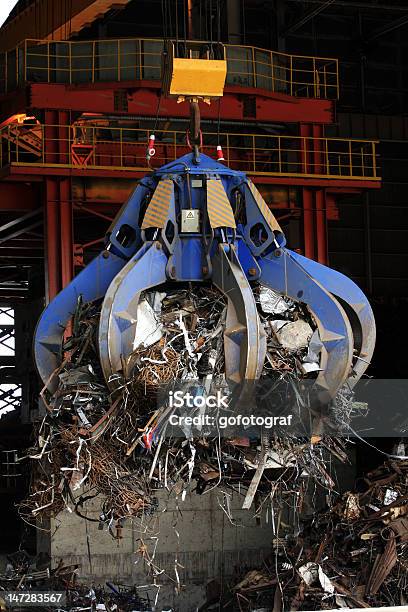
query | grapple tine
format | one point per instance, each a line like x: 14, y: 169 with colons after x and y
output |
x: 91, y: 284
x: 282, y: 272
x: 119, y: 309
x: 356, y: 306
x: 244, y: 336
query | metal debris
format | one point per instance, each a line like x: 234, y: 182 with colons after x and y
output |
x: 114, y: 447
x: 115, y: 443
x: 294, y: 335
x: 23, y: 574
x: 325, y: 565
x: 274, y: 303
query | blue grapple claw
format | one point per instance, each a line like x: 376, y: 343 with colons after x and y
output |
x: 199, y: 221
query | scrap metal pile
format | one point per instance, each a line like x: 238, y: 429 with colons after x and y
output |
x: 114, y: 446
x: 23, y: 577
x: 352, y: 554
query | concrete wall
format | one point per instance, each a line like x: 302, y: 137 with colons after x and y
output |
x: 209, y: 547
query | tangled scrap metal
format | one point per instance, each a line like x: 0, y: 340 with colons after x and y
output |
x: 26, y: 575
x: 113, y: 446
x: 361, y: 560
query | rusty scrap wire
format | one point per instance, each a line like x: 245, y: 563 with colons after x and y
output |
x: 157, y: 365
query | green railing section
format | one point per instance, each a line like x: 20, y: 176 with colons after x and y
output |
x: 127, y: 60
x: 90, y: 146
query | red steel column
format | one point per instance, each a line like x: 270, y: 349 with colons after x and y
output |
x: 307, y: 193
x: 318, y: 148
x: 67, y: 242
x: 320, y: 196
x: 308, y: 222
x: 58, y: 204
x: 50, y: 135
x: 321, y: 227
x: 314, y: 200
x: 52, y: 276
x: 64, y: 137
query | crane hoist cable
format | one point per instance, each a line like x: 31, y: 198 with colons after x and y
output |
x: 195, y: 73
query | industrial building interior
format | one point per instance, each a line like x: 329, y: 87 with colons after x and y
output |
x: 314, y: 111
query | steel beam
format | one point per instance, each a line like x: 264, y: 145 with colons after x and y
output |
x: 48, y: 19
x: 30, y: 173
x: 12, y: 224
x: 387, y: 28
x: 21, y: 231
x: 142, y: 99
x: 303, y: 20
x: 357, y: 5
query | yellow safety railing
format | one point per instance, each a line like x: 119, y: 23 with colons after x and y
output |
x: 141, y: 58
x: 90, y: 146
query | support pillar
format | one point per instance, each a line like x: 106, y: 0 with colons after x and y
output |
x: 308, y: 222
x: 57, y: 137
x: 307, y: 194
x: 321, y: 226
x: 315, y: 224
x: 52, y: 277
x: 67, y: 238
x: 58, y: 205
x: 320, y: 194
x: 314, y: 200
x: 59, y: 235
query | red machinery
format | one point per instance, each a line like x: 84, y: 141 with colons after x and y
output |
x: 87, y: 146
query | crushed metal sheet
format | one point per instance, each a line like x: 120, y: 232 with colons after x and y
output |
x: 272, y: 302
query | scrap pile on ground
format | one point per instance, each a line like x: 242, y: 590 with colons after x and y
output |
x: 23, y: 577
x: 353, y: 554
x: 113, y: 446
